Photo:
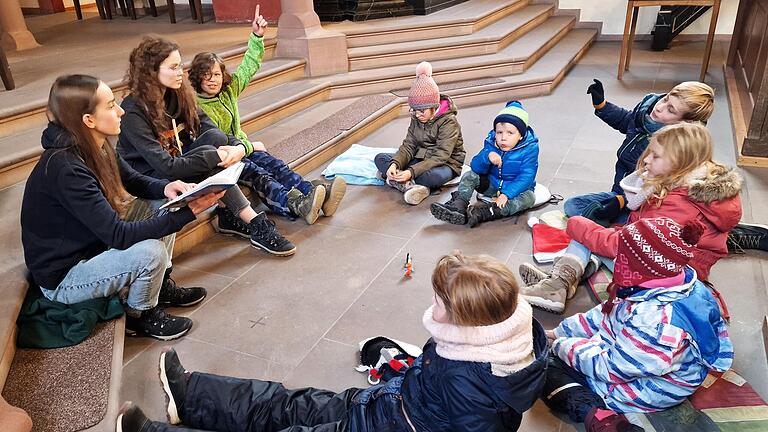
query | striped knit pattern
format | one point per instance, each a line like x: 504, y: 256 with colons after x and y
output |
x: 647, y: 353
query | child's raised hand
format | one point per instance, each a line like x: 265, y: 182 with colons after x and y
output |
x: 259, y: 24
x: 494, y: 158
x: 501, y: 201
x: 597, y: 92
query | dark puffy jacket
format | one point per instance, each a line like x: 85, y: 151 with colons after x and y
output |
x: 434, y: 143
x: 517, y: 173
x: 65, y: 216
x: 447, y: 395
x: 638, y: 128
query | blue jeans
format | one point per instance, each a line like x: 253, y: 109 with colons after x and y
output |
x: 271, y: 179
x: 136, y: 273
x: 582, y: 253
x: 432, y: 178
x: 584, y: 205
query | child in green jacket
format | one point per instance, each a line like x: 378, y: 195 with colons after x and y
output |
x: 284, y: 191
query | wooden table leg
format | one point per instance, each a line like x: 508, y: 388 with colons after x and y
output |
x: 78, y: 10
x: 5, y: 72
x: 172, y: 11
x: 625, y: 40
x: 635, y: 13
x: 199, y: 7
x: 100, y: 7
x: 710, y: 40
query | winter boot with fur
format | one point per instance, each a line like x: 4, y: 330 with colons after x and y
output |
x: 551, y: 293
x: 531, y: 274
x: 454, y: 211
x: 482, y: 212
x: 307, y: 206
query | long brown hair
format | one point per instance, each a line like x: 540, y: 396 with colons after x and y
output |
x: 71, y: 97
x: 144, y: 85
x: 476, y: 290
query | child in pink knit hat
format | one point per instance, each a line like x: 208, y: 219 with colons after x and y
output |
x: 433, y: 150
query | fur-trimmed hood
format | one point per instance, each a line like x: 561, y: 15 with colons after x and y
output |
x: 717, y: 184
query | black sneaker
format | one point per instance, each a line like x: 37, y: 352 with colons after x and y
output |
x: 307, y: 206
x: 174, y: 378
x: 230, y: 224
x: 454, y: 211
x: 175, y: 296
x: 132, y: 419
x: 158, y: 324
x: 748, y: 236
x: 265, y: 236
x: 482, y: 212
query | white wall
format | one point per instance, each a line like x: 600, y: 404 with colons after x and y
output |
x: 613, y: 12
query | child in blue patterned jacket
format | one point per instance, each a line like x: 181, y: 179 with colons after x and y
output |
x: 651, y: 344
x: 505, y: 168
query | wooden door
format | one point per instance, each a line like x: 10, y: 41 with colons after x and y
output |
x: 747, y: 59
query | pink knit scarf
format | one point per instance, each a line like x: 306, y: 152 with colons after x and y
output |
x: 507, y: 346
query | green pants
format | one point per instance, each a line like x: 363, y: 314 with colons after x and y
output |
x: 471, y: 182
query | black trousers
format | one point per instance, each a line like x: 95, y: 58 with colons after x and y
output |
x: 225, y: 404
x: 566, y: 391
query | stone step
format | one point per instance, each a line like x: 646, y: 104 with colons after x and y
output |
x: 488, y: 40
x: 20, y: 150
x: 461, y: 19
x: 277, y: 103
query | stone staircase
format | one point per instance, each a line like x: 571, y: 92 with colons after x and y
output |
x: 482, y: 51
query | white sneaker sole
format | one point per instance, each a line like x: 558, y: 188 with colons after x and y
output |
x: 416, y: 194
x: 337, y: 191
x: 545, y: 304
x: 172, y: 411
x: 317, y: 205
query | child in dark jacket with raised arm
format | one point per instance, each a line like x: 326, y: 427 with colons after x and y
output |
x: 482, y: 369
x: 505, y: 169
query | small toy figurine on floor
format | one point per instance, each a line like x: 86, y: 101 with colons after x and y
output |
x: 408, y: 266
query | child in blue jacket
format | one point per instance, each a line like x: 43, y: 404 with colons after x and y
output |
x: 687, y: 101
x: 482, y: 369
x: 505, y: 168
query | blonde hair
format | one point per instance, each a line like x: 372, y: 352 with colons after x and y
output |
x: 698, y: 97
x: 688, y: 146
x: 476, y: 290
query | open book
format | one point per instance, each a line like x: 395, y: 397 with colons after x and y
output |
x: 216, y: 183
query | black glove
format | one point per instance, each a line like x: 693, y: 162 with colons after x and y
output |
x: 610, y: 208
x: 597, y: 92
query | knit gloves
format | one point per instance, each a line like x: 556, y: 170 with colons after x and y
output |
x: 606, y: 210
x: 598, y: 94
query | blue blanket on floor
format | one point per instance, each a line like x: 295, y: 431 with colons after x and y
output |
x: 356, y: 165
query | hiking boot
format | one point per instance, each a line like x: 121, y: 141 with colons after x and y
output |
x: 551, y: 293
x: 334, y: 192
x: 228, y: 223
x: 158, y: 324
x: 132, y: 419
x: 482, y: 212
x: 175, y: 296
x: 453, y: 211
x: 174, y: 378
x: 307, y: 206
x: 605, y: 420
x: 265, y: 236
x: 748, y: 236
x: 530, y: 274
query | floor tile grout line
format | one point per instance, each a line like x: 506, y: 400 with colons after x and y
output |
x: 364, y: 231
x: 362, y: 292
x: 140, y: 352
x: 232, y: 350
x: 207, y: 272
x: 226, y: 287
x: 339, y: 342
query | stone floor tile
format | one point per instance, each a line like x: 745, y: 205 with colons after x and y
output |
x: 329, y: 366
x: 279, y: 309
x: 391, y: 306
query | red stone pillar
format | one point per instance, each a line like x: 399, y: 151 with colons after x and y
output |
x: 15, y: 35
x: 299, y: 34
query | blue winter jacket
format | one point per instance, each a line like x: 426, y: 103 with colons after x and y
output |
x: 441, y: 395
x: 517, y: 173
x: 638, y: 128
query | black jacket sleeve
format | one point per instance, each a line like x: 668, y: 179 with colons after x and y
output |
x: 137, y: 131
x: 138, y: 184
x: 79, y: 193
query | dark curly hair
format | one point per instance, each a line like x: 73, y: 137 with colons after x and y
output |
x: 144, y: 85
x: 200, y: 70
